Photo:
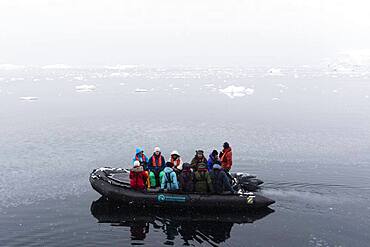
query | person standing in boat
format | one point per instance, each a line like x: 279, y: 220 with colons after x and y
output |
x: 186, y: 178
x: 175, y: 159
x: 155, y: 165
x: 198, y: 159
x: 138, y: 177
x: 220, y: 181
x: 141, y: 157
x: 213, y: 158
x: 169, y: 179
x: 203, y: 182
x: 226, y: 157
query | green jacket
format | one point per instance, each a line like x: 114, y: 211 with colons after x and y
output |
x: 203, y: 182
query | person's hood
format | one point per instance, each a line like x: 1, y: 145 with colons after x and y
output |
x: 175, y: 152
x: 196, y: 157
x: 168, y: 170
x: 138, y: 150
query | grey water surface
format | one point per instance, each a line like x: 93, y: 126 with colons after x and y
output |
x: 304, y: 131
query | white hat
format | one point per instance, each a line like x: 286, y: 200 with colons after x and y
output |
x: 174, y: 152
x: 157, y: 149
x: 136, y: 163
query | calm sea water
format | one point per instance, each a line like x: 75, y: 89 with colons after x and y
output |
x: 304, y: 131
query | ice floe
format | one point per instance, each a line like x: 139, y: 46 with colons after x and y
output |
x: 236, y: 91
x: 121, y: 66
x: 275, y: 72
x: 17, y: 79
x: 56, y: 66
x: 282, y: 86
x: 141, y: 90
x: 275, y: 99
x: 119, y: 74
x: 7, y: 66
x: 85, y: 88
x: 28, y: 98
x: 78, y: 78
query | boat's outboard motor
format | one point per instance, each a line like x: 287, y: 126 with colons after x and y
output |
x: 245, y: 181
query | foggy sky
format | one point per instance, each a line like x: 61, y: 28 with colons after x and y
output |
x: 187, y: 32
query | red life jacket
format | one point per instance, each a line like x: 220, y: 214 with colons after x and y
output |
x: 159, y: 161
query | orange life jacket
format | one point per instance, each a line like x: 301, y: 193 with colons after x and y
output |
x: 159, y: 161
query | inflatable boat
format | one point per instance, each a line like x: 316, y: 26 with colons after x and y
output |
x: 113, y: 183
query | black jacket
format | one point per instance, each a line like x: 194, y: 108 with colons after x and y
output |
x: 220, y: 181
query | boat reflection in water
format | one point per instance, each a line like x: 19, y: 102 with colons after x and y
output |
x: 210, y: 227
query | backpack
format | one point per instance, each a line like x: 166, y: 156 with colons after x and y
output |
x: 169, y: 179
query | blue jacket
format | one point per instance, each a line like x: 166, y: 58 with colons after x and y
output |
x: 211, y: 161
x: 169, y: 180
x: 139, y: 157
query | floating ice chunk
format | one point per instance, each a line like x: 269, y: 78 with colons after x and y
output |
x: 175, y: 88
x: 275, y: 72
x: 366, y: 96
x: 141, y: 90
x: 36, y: 79
x: 7, y: 66
x: 249, y: 91
x: 296, y: 76
x: 275, y: 99
x: 209, y: 85
x: 56, y: 66
x: 282, y: 86
x: 121, y: 66
x: 85, y: 88
x: 119, y: 74
x: 17, y: 79
x: 28, y: 98
x: 335, y: 91
x: 78, y: 78
x: 122, y: 84
x: 235, y: 91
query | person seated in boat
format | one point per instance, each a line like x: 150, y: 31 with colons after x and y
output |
x: 203, y: 182
x: 220, y: 181
x: 186, y: 178
x: 169, y: 179
x: 226, y: 157
x: 198, y: 158
x: 141, y: 157
x: 175, y: 159
x: 155, y: 166
x: 138, y: 177
x: 213, y: 158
